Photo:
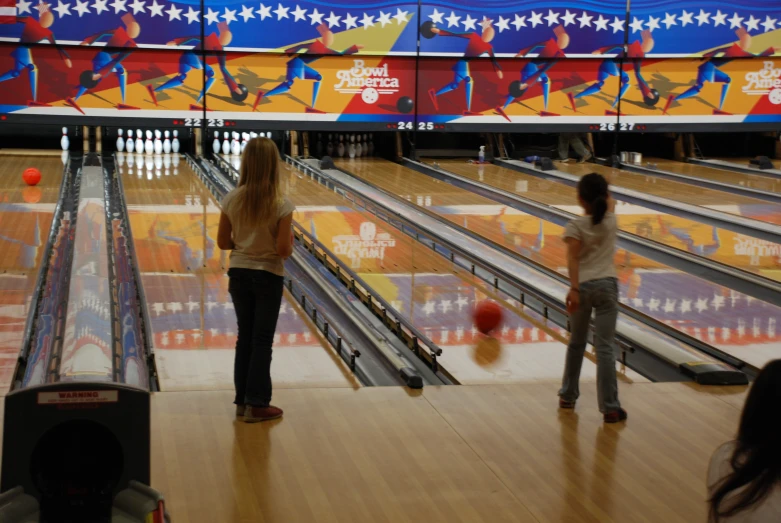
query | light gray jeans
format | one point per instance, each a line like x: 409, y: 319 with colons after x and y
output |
x: 573, y: 139
x: 601, y: 296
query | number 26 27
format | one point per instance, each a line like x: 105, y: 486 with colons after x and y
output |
x: 612, y: 127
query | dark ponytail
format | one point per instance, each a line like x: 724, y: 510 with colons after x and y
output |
x: 592, y: 189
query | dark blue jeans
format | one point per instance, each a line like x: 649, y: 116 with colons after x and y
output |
x: 257, y: 296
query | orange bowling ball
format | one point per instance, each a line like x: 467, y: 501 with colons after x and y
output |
x: 31, y: 176
x: 32, y: 194
x: 488, y: 316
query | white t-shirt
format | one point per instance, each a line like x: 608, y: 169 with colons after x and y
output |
x: 767, y: 511
x: 598, y: 247
x: 255, y: 246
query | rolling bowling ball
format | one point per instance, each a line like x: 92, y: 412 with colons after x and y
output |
x: 86, y: 81
x: 32, y: 194
x: 31, y: 176
x: 653, y: 99
x: 240, y: 97
x: 426, y: 30
x: 515, y: 89
x: 405, y: 104
x: 488, y: 316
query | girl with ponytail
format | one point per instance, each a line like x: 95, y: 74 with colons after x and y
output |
x: 591, y: 247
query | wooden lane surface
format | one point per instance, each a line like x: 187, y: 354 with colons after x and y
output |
x: 694, y: 170
x: 681, y: 233
x: 174, y: 222
x: 735, y: 323
x: 25, y: 221
x: 466, y: 454
x: 681, y: 192
x: 744, y: 162
x: 436, y: 295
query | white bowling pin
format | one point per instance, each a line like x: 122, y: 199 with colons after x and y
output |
x: 158, y: 143
x: 149, y: 145
x: 226, y: 145
x: 167, y: 143
x: 253, y: 135
x: 352, y: 150
x: 139, y: 141
x: 64, y: 142
x: 329, y: 148
x: 358, y: 149
x: 216, y: 143
x: 130, y: 145
x: 244, y: 140
x: 175, y: 142
x: 340, y: 149
x: 120, y: 141
x: 235, y: 145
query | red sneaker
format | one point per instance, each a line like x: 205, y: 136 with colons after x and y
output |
x: 615, y: 416
x: 257, y: 414
x: 566, y: 404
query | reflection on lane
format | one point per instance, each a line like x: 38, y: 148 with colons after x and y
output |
x: 691, y: 304
x: 751, y: 181
x: 174, y: 222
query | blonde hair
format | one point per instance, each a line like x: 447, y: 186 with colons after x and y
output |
x: 259, y: 196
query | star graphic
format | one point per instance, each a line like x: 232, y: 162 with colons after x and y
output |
x: 281, y: 12
x: 99, y: 6
x: 400, y: 16
x: 333, y: 20
x: 617, y: 25
x: 735, y: 21
x: 350, y: 21
x: 702, y: 18
x: 752, y: 24
x: 192, y: 16
x: 22, y: 7
x: 299, y: 14
x: 652, y: 23
x: 264, y: 12
x: 568, y: 18
x: 156, y: 9
x: 384, y: 18
x: 174, y: 13
x: 436, y: 17
x: 502, y: 24
x: 520, y: 21
x: 719, y: 19
x: 82, y: 8
x: 246, y: 13
x: 769, y: 24
x: 138, y: 7
x: 119, y: 5
x: 601, y: 23
x: 636, y: 25
x: 65, y: 9
x: 469, y: 23
x: 686, y: 18
x: 229, y: 15
x: 316, y: 17
x: 552, y: 18
x: 535, y: 19
x: 585, y: 20
x: 669, y: 20
x: 453, y: 20
x: 367, y: 21
x: 212, y: 17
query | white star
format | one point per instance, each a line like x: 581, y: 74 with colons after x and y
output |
x: 99, y: 6
x: 349, y: 21
x: 192, y: 16
x: 568, y: 18
x: 752, y: 24
x: 436, y: 17
x: 502, y: 24
x: 246, y: 13
x: 520, y: 21
x: 264, y: 12
x: 702, y: 304
x: 400, y: 16
x: 601, y: 23
x: 735, y: 21
x: 669, y: 305
x: 173, y: 13
x: 316, y: 17
x: 299, y: 14
x: 719, y: 19
x: 585, y: 20
x: 333, y: 20
x: 65, y: 9
x: 636, y: 25
x: 453, y: 20
x: 702, y: 18
x: 82, y: 8
x: 669, y: 20
x: 23, y: 7
x: 769, y: 24
x: 156, y: 9
x: 686, y: 306
x: 281, y: 12
x: 617, y: 25
x: 535, y: 19
x: 138, y: 7
x: 469, y: 23
x: 367, y: 21
x: 119, y: 5
x: 552, y: 18
x: 652, y: 23
x: 686, y: 18
x: 212, y: 16
x: 384, y: 18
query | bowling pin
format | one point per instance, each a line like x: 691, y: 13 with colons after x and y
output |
x: 64, y: 157
x: 175, y: 142
x: 120, y: 141
x: 351, y: 150
x: 235, y: 144
x: 130, y: 145
x: 253, y: 135
x: 244, y: 140
x: 64, y: 142
x: 158, y: 143
x: 340, y: 148
x: 149, y: 144
x: 358, y: 149
x: 216, y: 143
x: 167, y: 143
x: 226, y: 145
x: 139, y: 141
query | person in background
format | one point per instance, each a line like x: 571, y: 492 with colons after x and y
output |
x: 256, y: 226
x: 744, y: 476
x: 573, y: 139
x: 591, y: 247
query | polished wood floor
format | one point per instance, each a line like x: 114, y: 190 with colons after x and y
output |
x: 471, y: 454
x: 750, y: 181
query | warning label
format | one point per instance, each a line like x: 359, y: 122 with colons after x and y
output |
x: 77, y: 396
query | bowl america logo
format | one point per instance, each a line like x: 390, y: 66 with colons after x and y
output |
x: 369, y: 245
x: 371, y: 82
x: 765, y: 81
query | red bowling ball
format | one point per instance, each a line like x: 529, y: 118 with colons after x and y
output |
x: 487, y: 316
x: 31, y: 176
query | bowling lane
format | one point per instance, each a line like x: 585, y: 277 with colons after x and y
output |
x: 174, y: 221
x: 727, y: 247
x: 436, y: 296
x: 735, y: 323
x: 750, y: 181
x: 682, y: 192
x: 25, y: 218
